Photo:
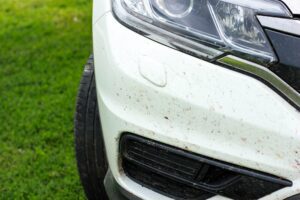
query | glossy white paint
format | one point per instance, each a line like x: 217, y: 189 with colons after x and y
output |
x: 201, y: 107
x: 153, y: 71
x: 100, y: 7
x: 291, y: 26
x: 294, y: 6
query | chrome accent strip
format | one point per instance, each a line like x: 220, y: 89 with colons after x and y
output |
x: 281, y: 24
x: 262, y: 72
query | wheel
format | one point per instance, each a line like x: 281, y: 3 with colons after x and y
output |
x: 89, y: 145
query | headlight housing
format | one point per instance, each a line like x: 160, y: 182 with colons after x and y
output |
x: 207, y: 28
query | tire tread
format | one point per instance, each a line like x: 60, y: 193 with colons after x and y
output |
x: 89, y: 146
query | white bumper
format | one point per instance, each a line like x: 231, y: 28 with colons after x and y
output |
x: 160, y: 93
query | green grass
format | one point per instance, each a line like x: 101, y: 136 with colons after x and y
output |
x: 43, y: 47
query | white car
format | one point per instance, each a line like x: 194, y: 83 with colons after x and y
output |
x: 191, y: 99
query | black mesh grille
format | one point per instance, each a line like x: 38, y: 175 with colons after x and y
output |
x: 183, y: 175
x: 163, y: 184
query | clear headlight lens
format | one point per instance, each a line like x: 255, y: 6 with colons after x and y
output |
x: 174, y: 9
x: 207, y: 28
x: 239, y: 26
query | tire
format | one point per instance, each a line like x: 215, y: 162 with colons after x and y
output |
x: 89, y: 145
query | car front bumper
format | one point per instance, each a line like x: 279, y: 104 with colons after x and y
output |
x: 159, y: 93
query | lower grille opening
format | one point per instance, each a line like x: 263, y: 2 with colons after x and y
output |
x: 162, y: 184
x: 183, y: 175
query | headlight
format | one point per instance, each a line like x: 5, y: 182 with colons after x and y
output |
x: 207, y: 28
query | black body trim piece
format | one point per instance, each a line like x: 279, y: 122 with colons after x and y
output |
x: 287, y: 48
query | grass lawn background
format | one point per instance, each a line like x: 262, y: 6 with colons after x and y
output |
x: 43, y: 46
